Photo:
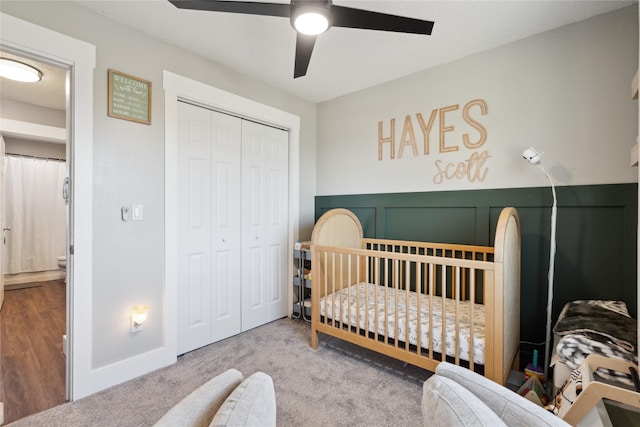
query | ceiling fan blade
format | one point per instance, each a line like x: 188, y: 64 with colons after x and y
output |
x: 248, y: 7
x: 304, y: 48
x: 357, y: 18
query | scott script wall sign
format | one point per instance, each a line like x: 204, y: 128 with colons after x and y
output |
x: 129, y: 97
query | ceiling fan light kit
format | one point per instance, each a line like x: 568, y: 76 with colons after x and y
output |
x: 311, y: 18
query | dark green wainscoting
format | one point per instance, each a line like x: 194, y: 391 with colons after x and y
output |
x: 596, y: 237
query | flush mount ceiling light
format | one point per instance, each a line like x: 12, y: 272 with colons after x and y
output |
x: 311, y: 18
x: 18, y: 71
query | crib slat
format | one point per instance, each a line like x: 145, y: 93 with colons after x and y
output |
x: 406, y: 305
x: 443, y: 286
x: 357, y: 285
x: 472, y: 324
x: 347, y: 286
x: 333, y: 288
x: 432, y: 280
x: 464, y: 279
x: 325, y: 276
x: 375, y: 295
x: 457, y: 315
x: 366, y: 302
x: 396, y: 279
x: 419, y: 308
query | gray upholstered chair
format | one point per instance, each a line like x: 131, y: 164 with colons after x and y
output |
x: 456, y: 396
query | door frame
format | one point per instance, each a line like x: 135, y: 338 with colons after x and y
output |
x: 27, y: 39
x: 179, y: 87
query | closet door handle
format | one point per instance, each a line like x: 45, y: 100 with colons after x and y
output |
x: 65, y: 190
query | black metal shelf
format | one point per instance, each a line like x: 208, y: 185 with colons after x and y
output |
x: 302, y: 285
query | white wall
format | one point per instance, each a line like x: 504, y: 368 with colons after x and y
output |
x: 565, y: 92
x: 35, y: 148
x: 129, y: 168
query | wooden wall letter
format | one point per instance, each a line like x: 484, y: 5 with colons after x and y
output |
x: 444, y: 129
x: 483, y: 132
x: 426, y: 128
x: 408, y: 138
x: 391, y: 140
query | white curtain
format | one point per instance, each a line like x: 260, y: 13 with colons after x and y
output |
x: 36, y: 213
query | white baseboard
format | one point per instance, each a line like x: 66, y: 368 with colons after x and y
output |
x: 38, y: 276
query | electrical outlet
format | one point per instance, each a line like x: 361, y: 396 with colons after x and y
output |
x: 125, y: 212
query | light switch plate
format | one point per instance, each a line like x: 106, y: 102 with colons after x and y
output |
x: 137, y: 213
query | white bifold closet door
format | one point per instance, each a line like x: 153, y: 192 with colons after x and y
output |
x: 265, y: 205
x: 232, y: 232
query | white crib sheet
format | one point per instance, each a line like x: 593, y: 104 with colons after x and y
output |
x: 366, y: 294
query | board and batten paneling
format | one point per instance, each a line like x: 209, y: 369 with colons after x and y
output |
x: 596, y: 237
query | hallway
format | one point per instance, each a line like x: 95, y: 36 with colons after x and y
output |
x: 32, y: 365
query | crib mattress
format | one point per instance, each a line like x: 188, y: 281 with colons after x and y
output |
x: 370, y: 298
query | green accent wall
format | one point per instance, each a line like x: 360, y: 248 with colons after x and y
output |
x: 596, y: 237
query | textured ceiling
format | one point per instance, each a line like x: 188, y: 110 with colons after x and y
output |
x: 344, y: 60
x: 48, y: 92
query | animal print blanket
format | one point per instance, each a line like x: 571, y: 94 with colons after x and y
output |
x: 603, y: 321
x: 597, y: 327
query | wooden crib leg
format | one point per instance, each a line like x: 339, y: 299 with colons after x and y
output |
x: 314, y: 338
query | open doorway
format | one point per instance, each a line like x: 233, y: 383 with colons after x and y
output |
x: 34, y: 240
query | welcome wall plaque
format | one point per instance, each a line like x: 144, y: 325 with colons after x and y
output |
x: 129, y: 97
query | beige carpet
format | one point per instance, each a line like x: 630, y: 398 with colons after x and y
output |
x: 337, y: 385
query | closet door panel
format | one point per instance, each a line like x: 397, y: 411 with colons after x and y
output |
x: 278, y: 216
x: 254, y: 297
x: 194, y: 230
x: 226, y: 199
x: 254, y: 199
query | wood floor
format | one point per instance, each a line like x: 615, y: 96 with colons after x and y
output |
x: 32, y: 365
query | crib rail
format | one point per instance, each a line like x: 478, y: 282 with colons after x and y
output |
x: 440, y: 250
x: 439, y: 286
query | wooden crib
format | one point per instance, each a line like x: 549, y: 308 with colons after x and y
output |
x: 419, y: 302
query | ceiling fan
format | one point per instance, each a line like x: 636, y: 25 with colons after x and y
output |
x: 311, y: 18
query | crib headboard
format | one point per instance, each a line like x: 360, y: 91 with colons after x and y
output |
x: 338, y: 227
x: 507, y: 275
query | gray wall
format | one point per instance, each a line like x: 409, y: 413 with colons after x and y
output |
x: 129, y: 166
x: 565, y: 92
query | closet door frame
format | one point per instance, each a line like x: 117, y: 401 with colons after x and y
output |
x: 176, y: 88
